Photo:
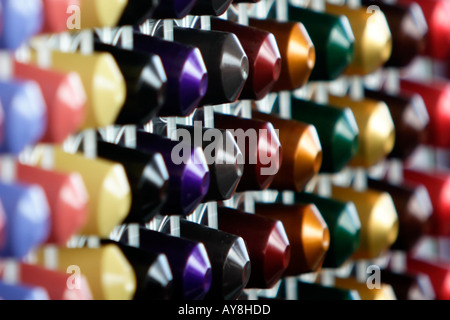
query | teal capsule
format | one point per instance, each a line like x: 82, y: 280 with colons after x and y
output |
x: 333, y: 39
x: 344, y: 225
x: 337, y: 130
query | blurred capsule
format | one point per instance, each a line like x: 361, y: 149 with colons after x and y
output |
x: 302, y: 152
x: 409, y: 31
x: 414, y: 211
x: 24, y: 113
x: 2, y: 226
x: 385, y: 292
x: 20, y: 21
x: 263, y: 55
x: 187, y: 77
x: 410, y: 118
x: 103, y: 82
x: 211, y: 7
x: 21, y: 292
x: 437, y: 184
x: 191, y: 266
x: 56, y: 14
x: 260, y: 146
x: 154, y: 279
x: 297, y: 52
x: 67, y: 197
x: 436, y: 95
x: 147, y: 175
x: 333, y: 40
x: 373, y: 38
x: 315, y: 291
x: 225, y: 60
x: 437, y: 271
x: 27, y: 219
x: 108, y: 272
x: 307, y: 232
x: 379, y: 220
x: 344, y: 227
x: 107, y: 186
x: 137, y: 12
x: 409, y: 286
x: 224, y: 158
x: 337, y: 129
x: 189, y: 176
x: 145, y: 81
x: 100, y: 13
x: 175, y: 9
x: 376, y: 129
x: 230, y: 262
x: 59, y: 285
x: 267, y: 244
x: 436, y: 14
x: 64, y: 96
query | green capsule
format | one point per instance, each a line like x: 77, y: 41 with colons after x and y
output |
x: 337, y: 129
x: 333, y: 39
x: 315, y: 291
x: 343, y: 223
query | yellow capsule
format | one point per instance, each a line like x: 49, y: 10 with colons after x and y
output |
x: 379, y: 220
x: 110, y: 275
x: 373, y: 38
x: 385, y: 291
x: 107, y: 185
x: 101, y: 13
x: 103, y: 82
x: 376, y: 129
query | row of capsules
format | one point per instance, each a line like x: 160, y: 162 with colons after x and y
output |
x: 197, y: 270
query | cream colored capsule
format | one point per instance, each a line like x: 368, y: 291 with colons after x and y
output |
x: 384, y: 292
x: 103, y: 82
x: 379, y: 220
x: 373, y: 38
x: 107, y: 186
x: 101, y: 13
x: 376, y: 129
x: 110, y: 275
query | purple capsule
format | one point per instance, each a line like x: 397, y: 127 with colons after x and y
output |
x: 191, y: 267
x: 175, y: 9
x: 20, y: 292
x: 27, y: 218
x: 187, y: 77
x: 24, y: 112
x: 20, y: 21
x: 189, y: 175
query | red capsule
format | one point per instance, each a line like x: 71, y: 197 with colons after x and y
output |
x: 263, y: 55
x: 437, y: 271
x: 438, y: 186
x: 437, y: 15
x: 267, y: 244
x: 436, y: 95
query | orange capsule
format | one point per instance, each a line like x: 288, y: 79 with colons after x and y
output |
x: 302, y: 152
x: 297, y: 50
x: 307, y: 232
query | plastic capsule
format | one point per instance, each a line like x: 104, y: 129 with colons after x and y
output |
x: 107, y: 185
x: 373, y: 38
x: 307, y: 232
x: 302, y: 152
x: 343, y: 223
x: 379, y: 220
x: 376, y: 129
x: 95, y: 264
x: 333, y: 40
x: 263, y: 54
x: 298, y: 54
x: 337, y: 130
